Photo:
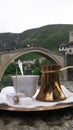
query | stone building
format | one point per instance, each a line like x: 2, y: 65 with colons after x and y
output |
x: 67, y: 49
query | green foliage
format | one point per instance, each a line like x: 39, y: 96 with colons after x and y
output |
x: 36, y: 71
x: 29, y: 56
x: 11, y: 69
x: 6, y: 81
x: 36, y: 68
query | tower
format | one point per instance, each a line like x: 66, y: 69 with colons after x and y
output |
x: 70, y: 36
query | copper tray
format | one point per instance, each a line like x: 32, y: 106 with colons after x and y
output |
x: 60, y: 106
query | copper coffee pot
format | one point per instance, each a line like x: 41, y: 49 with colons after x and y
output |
x: 50, y: 85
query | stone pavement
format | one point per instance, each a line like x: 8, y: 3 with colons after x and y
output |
x: 49, y: 120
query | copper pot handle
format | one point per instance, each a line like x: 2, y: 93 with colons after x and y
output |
x: 67, y: 67
x: 53, y: 71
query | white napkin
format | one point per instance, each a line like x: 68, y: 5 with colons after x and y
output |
x: 28, y: 102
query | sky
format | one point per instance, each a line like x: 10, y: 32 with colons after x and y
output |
x: 17, y: 16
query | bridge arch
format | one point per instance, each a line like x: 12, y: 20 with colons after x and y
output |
x: 12, y: 55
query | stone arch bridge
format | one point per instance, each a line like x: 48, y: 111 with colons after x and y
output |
x: 7, y: 57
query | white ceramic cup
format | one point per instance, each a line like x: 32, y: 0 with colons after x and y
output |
x: 27, y: 84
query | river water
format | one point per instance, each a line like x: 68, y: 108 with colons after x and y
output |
x: 46, y: 120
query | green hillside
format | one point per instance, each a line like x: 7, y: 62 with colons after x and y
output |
x: 49, y: 36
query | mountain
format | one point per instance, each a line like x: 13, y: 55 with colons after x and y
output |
x: 49, y: 36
